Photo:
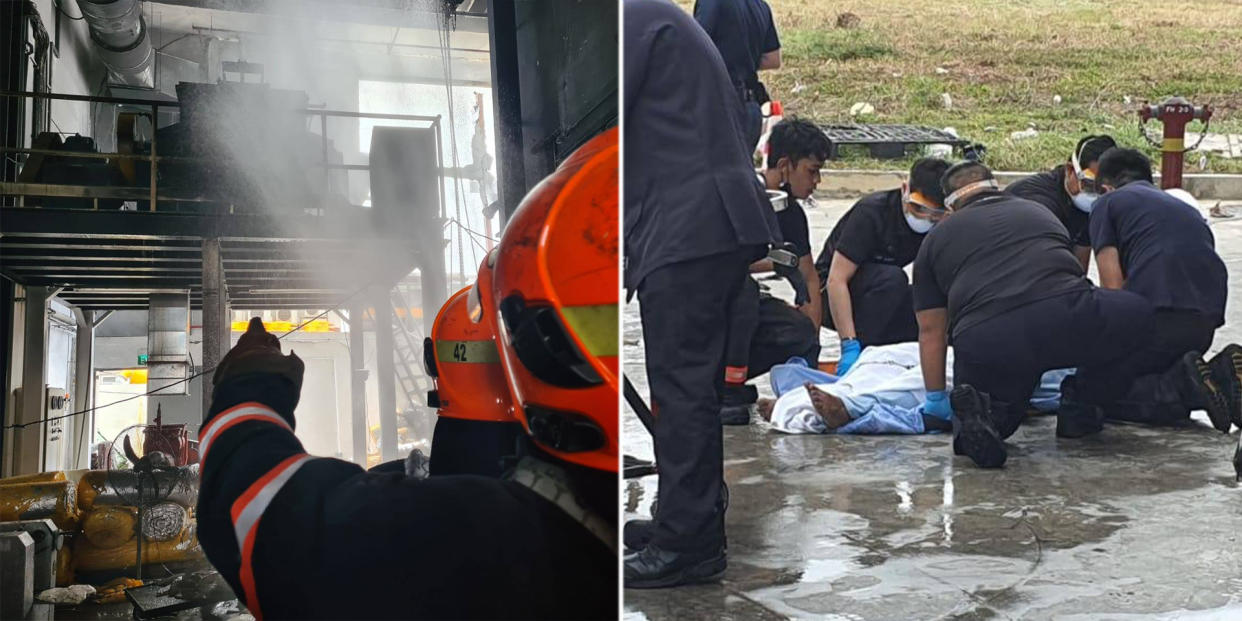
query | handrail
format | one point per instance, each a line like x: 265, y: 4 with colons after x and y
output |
x: 152, y: 194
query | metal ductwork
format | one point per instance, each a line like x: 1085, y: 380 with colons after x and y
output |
x: 168, y: 343
x: 119, y: 30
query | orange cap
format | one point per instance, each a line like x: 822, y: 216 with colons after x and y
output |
x: 470, y: 382
x: 556, y: 292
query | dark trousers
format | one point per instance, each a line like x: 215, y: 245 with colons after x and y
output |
x: 685, y: 310
x: 1148, y: 386
x: 783, y: 333
x: 752, y: 124
x: 883, y: 304
x: 765, y: 331
x: 743, y: 322
x: 1006, y: 355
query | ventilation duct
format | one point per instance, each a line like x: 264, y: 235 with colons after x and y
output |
x: 119, y: 30
x: 168, y: 343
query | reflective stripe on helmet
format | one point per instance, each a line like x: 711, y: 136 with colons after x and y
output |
x: 595, y: 325
x: 251, y: 410
x: 246, y: 512
x: 467, y: 351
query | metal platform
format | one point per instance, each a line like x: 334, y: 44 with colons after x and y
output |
x: 886, y: 141
x: 112, y: 260
x: 300, y: 256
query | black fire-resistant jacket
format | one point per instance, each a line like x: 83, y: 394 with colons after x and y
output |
x: 338, y: 542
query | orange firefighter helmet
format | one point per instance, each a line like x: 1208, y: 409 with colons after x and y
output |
x: 555, y: 300
x: 462, y: 356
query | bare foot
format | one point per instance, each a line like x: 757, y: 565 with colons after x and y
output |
x: 765, y: 407
x: 830, y: 408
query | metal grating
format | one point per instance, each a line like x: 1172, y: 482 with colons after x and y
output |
x: 886, y: 141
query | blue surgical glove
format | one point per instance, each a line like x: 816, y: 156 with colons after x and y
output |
x: 937, y: 404
x: 850, y: 349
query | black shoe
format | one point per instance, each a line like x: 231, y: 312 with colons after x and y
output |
x: 1076, y: 419
x: 655, y: 568
x: 737, y: 403
x: 973, y: 433
x: 1226, y: 369
x: 1204, y: 390
x: 1237, y: 461
x: 735, y: 414
x: 637, y: 534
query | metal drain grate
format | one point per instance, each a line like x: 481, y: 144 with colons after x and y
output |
x: 886, y: 141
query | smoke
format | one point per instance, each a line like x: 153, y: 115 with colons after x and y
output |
x: 340, y: 62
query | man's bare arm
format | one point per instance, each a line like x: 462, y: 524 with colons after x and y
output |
x: 933, y: 346
x: 839, y: 303
x: 1109, y: 262
x: 1083, y: 253
x: 815, y: 308
x: 770, y: 60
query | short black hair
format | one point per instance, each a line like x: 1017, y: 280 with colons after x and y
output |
x: 1090, y: 148
x: 925, y: 177
x: 797, y: 139
x: 963, y: 174
x: 1121, y: 166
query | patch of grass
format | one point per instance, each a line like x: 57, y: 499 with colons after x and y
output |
x: 835, y: 44
x: 1005, y: 63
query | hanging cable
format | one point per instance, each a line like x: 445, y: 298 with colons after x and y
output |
x: 445, y: 41
x: 192, y: 377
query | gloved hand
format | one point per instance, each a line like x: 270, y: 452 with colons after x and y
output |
x: 257, y: 352
x: 850, y: 350
x: 937, y: 404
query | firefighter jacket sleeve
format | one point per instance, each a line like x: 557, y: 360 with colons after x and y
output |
x: 298, y: 536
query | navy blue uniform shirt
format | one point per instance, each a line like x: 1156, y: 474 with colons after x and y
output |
x: 1168, y: 254
x: 1048, y: 189
x: 996, y: 254
x: 690, y: 187
x: 793, y: 226
x: 874, y: 230
x: 743, y: 31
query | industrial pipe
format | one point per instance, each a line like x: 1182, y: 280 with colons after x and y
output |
x: 118, y: 28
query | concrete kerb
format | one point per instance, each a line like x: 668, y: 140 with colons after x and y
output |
x: 854, y: 183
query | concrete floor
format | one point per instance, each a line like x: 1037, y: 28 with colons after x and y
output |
x: 1134, y: 523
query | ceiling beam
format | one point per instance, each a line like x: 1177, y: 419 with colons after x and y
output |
x: 377, y: 12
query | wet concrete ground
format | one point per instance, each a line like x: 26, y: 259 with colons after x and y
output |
x: 1135, y: 523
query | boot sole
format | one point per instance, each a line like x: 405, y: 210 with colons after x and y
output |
x: 1229, y: 376
x: 710, y: 570
x: 1218, y: 408
x: 978, y: 438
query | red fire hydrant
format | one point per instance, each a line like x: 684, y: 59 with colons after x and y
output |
x: 1176, y: 113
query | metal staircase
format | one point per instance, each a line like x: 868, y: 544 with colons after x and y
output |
x: 412, y: 381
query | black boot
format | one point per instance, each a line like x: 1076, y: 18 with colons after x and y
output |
x: 737, y: 403
x: 1199, y: 389
x: 973, y: 433
x: 636, y: 534
x: 654, y: 568
x: 1076, y: 419
x: 1226, y: 370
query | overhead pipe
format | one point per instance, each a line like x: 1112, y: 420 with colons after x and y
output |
x: 118, y: 28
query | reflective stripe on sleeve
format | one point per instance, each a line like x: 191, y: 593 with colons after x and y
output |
x: 246, y: 512
x: 237, y: 414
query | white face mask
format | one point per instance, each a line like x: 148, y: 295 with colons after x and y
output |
x: 1084, y: 201
x: 919, y: 225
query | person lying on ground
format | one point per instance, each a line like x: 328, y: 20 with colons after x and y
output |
x: 881, y: 394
